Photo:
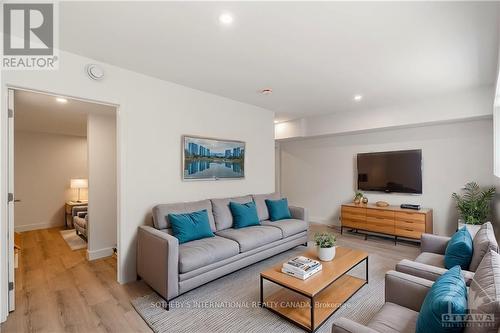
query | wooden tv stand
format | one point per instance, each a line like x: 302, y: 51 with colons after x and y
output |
x: 390, y: 220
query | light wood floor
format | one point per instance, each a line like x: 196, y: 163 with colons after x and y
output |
x: 58, y: 290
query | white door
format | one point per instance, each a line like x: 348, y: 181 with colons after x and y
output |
x: 10, y: 225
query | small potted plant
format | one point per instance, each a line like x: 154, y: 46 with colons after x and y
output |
x: 358, y: 197
x: 326, y: 245
x: 473, y: 206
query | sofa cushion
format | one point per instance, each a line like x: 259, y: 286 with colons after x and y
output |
x: 484, y: 294
x: 484, y: 241
x: 190, y: 226
x: 393, y: 318
x: 160, y: 212
x: 432, y: 259
x: 203, y: 252
x: 278, y: 209
x: 447, y: 295
x: 222, y: 214
x: 252, y: 237
x: 260, y: 202
x: 459, y: 250
x: 80, y: 221
x: 288, y: 227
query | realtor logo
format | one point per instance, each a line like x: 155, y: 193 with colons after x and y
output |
x: 29, y: 36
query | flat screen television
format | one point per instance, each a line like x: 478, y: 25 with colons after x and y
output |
x: 392, y: 171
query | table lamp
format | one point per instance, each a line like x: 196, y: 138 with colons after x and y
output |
x: 79, y: 183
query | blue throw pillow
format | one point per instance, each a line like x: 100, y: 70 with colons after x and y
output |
x: 190, y: 226
x: 448, y: 295
x: 459, y: 250
x: 244, y: 215
x: 278, y: 209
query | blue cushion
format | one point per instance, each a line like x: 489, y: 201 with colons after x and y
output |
x: 459, y: 250
x: 278, y: 209
x: 244, y: 215
x: 447, y: 295
x: 190, y: 226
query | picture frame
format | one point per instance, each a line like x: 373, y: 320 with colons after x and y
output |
x: 205, y: 158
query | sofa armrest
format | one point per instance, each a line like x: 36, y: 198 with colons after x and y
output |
x: 158, y: 261
x: 433, y: 243
x: 344, y: 325
x: 299, y: 213
x: 77, y: 209
x: 406, y: 290
x: 81, y: 214
x: 427, y: 272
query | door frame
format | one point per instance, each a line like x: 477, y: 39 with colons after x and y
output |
x: 6, y: 251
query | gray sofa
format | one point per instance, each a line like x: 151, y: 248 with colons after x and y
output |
x: 430, y: 263
x: 404, y: 295
x: 172, y: 269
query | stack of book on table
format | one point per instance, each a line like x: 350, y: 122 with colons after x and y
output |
x: 301, y: 267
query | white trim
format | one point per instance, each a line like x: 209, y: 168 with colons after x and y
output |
x: 98, y: 254
x: 325, y: 221
x: 37, y: 226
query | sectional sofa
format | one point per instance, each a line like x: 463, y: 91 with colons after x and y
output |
x: 172, y: 269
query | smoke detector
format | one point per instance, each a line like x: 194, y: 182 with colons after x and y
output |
x: 267, y: 91
x: 95, y: 72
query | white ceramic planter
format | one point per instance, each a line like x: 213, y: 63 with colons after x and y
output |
x: 326, y: 253
x: 472, y: 228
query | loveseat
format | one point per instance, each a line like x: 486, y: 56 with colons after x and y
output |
x: 430, y: 263
x: 172, y: 269
x: 405, y: 294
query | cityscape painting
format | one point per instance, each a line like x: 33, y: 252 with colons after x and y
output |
x: 212, y: 159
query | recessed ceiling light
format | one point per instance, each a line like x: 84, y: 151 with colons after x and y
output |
x: 266, y: 91
x: 226, y: 19
x: 61, y: 100
x: 276, y: 121
x: 357, y: 98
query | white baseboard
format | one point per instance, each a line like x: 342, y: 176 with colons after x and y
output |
x: 321, y: 220
x: 98, y: 254
x: 36, y: 226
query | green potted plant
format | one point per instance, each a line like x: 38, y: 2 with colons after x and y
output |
x: 326, y: 245
x: 358, y: 197
x: 473, y: 206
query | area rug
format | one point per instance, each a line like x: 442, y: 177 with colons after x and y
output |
x: 74, y: 241
x: 229, y: 304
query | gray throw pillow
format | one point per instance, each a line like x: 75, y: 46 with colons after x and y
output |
x: 483, y: 242
x: 484, y: 296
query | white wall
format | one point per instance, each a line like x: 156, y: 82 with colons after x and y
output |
x: 320, y: 173
x: 44, y: 165
x: 101, y: 133
x: 153, y: 114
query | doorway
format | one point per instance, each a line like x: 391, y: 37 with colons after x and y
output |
x: 63, y: 180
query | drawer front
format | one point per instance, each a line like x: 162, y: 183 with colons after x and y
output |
x: 379, y: 221
x: 414, y: 226
x: 353, y: 224
x: 410, y: 217
x: 386, y: 214
x: 354, y: 217
x: 382, y: 228
x: 354, y: 210
x: 407, y: 232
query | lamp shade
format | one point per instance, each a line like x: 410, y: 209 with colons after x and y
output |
x: 79, y: 183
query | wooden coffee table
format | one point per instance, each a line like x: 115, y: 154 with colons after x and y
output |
x: 309, y: 303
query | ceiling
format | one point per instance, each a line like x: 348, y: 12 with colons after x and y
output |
x: 314, y: 55
x: 37, y: 112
